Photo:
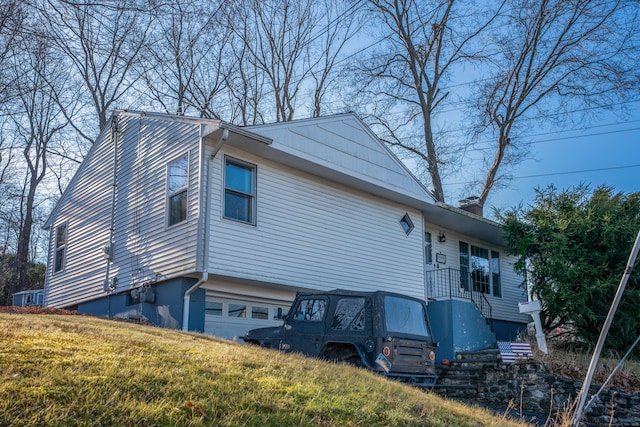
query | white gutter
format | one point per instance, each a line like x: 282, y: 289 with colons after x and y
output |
x: 205, y: 221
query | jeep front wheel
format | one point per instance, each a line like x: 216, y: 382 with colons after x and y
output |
x: 355, y: 361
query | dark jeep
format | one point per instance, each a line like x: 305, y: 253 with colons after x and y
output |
x: 385, y: 332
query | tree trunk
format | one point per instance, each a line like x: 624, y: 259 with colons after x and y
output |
x: 21, y: 261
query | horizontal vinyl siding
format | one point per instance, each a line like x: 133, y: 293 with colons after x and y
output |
x: 86, y: 210
x: 314, y: 234
x: 342, y: 143
x: 504, y: 307
x: 145, y: 249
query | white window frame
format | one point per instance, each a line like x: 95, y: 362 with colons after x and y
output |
x: 493, y: 275
x: 428, y: 248
x: 248, y: 313
x: 62, y: 249
x: 177, y: 191
x: 251, y: 196
x: 407, y: 224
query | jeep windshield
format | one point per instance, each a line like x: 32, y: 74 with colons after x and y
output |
x: 405, y: 316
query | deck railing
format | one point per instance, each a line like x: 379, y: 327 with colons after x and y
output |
x: 452, y: 283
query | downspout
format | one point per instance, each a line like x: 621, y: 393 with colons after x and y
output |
x: 110, y: 249
x: 205, y: 221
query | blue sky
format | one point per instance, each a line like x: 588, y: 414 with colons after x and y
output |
x: 602, y: 151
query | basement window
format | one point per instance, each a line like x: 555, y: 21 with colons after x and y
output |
x: 407, y: 224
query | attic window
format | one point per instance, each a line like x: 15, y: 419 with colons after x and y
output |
x: 407, y: 224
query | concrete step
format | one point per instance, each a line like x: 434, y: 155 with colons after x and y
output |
x: 478, y: 364
x: 457, y: 370
x: 490, y: 355
x: 458, y: 379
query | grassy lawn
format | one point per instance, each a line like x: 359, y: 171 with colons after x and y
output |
x: 73, y: 370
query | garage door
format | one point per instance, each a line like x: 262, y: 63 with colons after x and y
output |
x: 231, y: 319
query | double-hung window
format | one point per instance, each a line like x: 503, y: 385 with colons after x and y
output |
x: 239, y: 191
x: 60, y: 248
x: 177, y: 184
x: 480, y: 269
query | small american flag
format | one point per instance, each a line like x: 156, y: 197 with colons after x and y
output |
x: 512, y: 351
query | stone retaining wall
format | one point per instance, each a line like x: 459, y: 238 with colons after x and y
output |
x: 529, y: 386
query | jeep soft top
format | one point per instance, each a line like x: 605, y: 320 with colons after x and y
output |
x: 383, y: 331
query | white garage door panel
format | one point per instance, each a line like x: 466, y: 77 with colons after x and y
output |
x: 231, y: 319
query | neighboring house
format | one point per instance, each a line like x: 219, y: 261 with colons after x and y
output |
x: 201, y: 225
x: 28, y: 298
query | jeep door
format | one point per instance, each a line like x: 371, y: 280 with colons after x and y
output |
x: 304, y: 328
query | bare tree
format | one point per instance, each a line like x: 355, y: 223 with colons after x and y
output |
x: 424, y: 41
x: 554, y: 54
x: 187, y: 62
x: 11, y: 18
x: 278, y: 33
x: 245, y: 84
x: 285, y: 47
x: 342, y: 23
x: 102, y: 42
x: 36, y: 120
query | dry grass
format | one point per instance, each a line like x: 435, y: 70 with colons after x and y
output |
x: 574, y: 364
x: 73, y: 370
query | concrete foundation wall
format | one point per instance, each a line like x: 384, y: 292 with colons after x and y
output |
x: 165, y: 311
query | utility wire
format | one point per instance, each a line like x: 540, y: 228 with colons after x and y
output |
x: 553, y: 174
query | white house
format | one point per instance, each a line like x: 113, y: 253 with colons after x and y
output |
x: 201, y: 225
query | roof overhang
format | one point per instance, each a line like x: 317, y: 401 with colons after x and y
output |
x: 262, y: 146
x: 440, y: 214
x: 466, y: 223
x: 237, y: 137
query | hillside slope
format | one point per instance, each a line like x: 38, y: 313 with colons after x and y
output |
x: 73, y: 370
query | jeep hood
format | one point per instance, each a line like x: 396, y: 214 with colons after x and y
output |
x: 262, y: 334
